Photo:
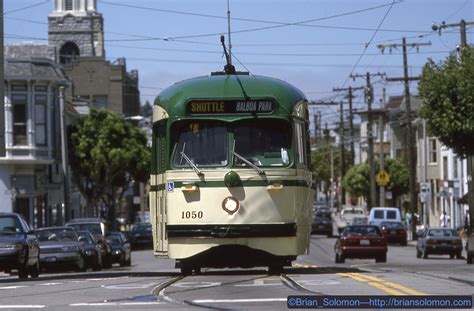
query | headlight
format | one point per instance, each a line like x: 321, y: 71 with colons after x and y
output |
x: 117, y: 251
x: 230, y: 205
x: 11, y: 246
x: 89, y: 253
x: 69, y: 248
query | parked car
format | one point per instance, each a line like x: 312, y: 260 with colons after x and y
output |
x: 92, y: 251
x: 347, y: 214
x: 141, y: 236
x: 440, y: 241
x: 99, y: 229
x: 59, y: 248
x: 321, y: 225
x: 121, y: 249
x: 470, y: 249
x: 378, y: 215
x: 19, y: 248
x: 361, y: 242
x: 395, y: 232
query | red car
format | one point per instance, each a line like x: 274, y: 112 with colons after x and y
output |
x: 361, y: 242
x: 395, y: 232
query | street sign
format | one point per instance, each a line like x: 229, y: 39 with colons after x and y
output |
x: 425, y: 192
x: 382, y: 178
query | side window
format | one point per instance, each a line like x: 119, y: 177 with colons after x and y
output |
x: 300, y: 143
x: 391, y: 215
x: 159, y: 147
x: 378, y: 214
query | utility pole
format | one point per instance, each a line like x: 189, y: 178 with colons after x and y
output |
x: 64, y: 157
x: 369, y: 95
x: 2, y: 86
x: 341, y: 150
x: 411, y: 154
x: 382, y: 157
x: 470, y: 159
x: 351, y: 116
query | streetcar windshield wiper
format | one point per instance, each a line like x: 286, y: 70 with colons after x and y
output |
x: 258, y: 169
x: 191, y: 163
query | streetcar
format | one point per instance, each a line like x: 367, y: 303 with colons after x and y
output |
x: 231, y: 182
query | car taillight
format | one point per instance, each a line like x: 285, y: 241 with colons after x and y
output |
x: 431, y: 242
x: 456, y: 242
x: 349, y: 241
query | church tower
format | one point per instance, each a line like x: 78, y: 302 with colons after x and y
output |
x: 75, y: 29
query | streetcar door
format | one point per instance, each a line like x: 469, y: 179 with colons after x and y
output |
x: 160, y: 217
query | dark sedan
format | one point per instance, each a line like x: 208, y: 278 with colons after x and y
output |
x: 19, y: 249
x: 321, y: 225
x: 60, y: 247
x: 141, y: 236
x: 121, y: 250
x: 91, y: 250
x: 440, y: 241
x: 395, y: 232
x: 361, y: 242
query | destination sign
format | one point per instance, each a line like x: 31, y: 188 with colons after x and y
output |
x: 230, y: 106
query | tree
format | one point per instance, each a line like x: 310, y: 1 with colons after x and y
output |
x: 356, y: 181
x: 106, y: 155
x: 146, y: 110
x: 321, y: 164
x: 447, y: 90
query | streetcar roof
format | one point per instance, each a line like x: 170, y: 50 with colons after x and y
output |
x: 174, y: 98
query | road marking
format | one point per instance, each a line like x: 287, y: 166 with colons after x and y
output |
x: 239, y: 300
x: 49, y: 284
x: 114, y: 304
x: 196, y: 284
x: 22, y: 306
x: 129, y: 286
x: 386, y: 286
x: 394, y: 285
x: 303, y: 265
x: 11, y: 287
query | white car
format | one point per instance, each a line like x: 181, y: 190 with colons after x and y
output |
x: 347, y: 214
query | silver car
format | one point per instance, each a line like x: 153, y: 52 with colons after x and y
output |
x: 60, y: 247
x: 440, y: 241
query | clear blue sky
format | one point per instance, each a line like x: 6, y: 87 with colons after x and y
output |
x: 315, y: 56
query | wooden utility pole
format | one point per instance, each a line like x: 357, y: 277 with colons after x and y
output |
x: 411, y: 154
x: 351, y: 116
x: 342, y: 165
x: 369, y: 95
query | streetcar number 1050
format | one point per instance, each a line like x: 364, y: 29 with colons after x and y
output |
x: 192, y: 215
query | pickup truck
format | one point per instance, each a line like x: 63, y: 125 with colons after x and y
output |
x: 347, y: 215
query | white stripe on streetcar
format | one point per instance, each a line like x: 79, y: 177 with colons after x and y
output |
x: 22, y: 306
x: 11, y: 287
x: 239, y: 300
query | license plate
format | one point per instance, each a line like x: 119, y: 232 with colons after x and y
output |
x: 320, y: 227
x: 364, y: 242
x: 50, y: 259
x: 393, y: 232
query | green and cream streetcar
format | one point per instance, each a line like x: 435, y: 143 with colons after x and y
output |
x: 231, y: 178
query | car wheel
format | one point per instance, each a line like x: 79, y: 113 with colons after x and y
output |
x: 35, y: 270
x: 329, y: 235
x: 337, y: 259
x: 458, y: 256
x: 451, y: 256
x: 122, y: 261
x: 425, y: 254
x: 98, y: 264
x: 128, y: 263
x: 80, y: 264
x: 381, y: 258
x: 418, y: 253
x: 404, y: 243
x: 469, y: 259
x: 23, y: 271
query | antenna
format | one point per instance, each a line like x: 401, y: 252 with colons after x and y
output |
x: 228, y: 31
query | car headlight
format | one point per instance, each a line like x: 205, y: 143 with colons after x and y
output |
x: 11, y: 246
x: 89, y: 253
x: 69, y: 248
x: 230, y: 205
x: 117, y: 251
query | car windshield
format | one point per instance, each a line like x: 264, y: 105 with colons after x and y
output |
x: 115, y: 239
x: 352, y: 211
x: 95, y: 229
x: 442, y: 233
x: 204, y: 143
x: 362, y: 231
x: 56, y: 235
x: 10, y: 225
x: 323, y: 213
x: 141, y: 228
x: 264, y: 143
x: 392, y: 225
x: 87, y: 237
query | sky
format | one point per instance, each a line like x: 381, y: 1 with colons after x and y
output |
x: 313, y: 44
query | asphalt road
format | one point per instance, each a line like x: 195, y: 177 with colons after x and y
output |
x: 155, y: 284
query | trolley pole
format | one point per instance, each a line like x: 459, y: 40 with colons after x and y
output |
x: 369, y: 92
x: 411, y: 154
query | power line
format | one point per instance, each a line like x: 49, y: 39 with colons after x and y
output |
x: 26, y: 7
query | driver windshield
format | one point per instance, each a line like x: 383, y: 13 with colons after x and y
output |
x: 264, y: 143
x: 56, y: 235
x: 205, y: 143
x: 10, y: 225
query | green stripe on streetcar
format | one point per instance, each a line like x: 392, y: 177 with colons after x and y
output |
x: 221, y: 184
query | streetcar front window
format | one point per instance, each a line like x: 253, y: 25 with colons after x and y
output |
x: 264, y: 143
x: 204, y: 143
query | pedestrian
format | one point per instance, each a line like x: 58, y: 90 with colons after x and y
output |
x: 408, y: 219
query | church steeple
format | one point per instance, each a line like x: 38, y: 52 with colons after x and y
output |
x: 75, y: 29
x: 74, y: 7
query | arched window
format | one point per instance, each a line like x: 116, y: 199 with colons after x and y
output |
x: 68, y: 53
x: 69, y: 5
